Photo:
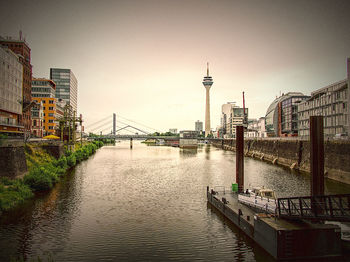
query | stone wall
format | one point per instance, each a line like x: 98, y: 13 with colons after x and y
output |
x: 12, y: 160
x: 295, y: 154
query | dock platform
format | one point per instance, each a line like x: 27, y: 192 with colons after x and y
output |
x: 283, y: 239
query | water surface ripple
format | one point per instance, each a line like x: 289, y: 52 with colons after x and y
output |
x: 144, y: 204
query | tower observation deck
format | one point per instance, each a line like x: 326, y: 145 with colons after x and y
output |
x: 207, y: 82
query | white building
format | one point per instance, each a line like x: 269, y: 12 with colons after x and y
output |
x: 225, y: 117
x: 11, y: 78
x: 256, y: 128
x: 332, y: 102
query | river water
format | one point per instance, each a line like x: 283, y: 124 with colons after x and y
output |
x: 144, y: 204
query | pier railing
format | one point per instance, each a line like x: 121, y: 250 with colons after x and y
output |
x: 328, y: 207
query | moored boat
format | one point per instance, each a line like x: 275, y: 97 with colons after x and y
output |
x: 260, y: 198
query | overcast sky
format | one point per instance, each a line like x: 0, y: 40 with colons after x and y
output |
x: 145, y: 60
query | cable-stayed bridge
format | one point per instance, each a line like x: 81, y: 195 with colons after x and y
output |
x: 111, y: 126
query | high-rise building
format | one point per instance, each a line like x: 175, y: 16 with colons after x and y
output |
x: 66, y: 86
x: 21, y: 48
x: 43, y: 92
x: 207, y: 82
x: 225, y: 116
x: 198, y: 126
x: 10, y: 92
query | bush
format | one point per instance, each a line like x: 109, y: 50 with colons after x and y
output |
x: 43, y: 178
x: 14, y: 194
x: 71, y: 160
x: 62, y: 162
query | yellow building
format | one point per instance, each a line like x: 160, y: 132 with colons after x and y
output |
x: 43, y: 91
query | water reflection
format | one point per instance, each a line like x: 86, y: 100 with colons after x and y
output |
x: 144, y: 204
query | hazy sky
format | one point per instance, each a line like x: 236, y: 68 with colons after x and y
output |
x: 145, y: 60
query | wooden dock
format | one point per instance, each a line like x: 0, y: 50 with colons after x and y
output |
x: 282, y: 238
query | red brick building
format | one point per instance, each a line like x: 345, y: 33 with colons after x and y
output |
x: 21, y: 48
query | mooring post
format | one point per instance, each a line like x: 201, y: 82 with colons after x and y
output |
x: 239, y: 159
x: 131, y: 143
x: 317, y: 155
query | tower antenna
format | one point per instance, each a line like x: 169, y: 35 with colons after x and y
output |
x: 207, y: 68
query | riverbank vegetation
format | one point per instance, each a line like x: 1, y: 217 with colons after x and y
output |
x: 43, y: 172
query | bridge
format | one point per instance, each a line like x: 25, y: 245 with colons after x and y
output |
x: 110, y: 128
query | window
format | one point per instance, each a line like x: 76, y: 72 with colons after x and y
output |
x: 51, y: 101
x: 50, y: 114
x: 51, y: 108
x: 50, y: 127
x: 50, y: 120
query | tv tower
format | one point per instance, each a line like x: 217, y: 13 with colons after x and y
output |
x: 207, y: 82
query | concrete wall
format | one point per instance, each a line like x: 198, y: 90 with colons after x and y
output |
x: 295, y: 154
x: 12, y: 160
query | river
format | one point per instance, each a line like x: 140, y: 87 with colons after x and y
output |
x: 144, y: 204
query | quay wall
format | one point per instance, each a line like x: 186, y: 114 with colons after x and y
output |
x: 13, y: 157
x: 295, y: 154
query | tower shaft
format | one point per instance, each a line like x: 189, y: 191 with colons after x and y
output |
x: 207, y: 112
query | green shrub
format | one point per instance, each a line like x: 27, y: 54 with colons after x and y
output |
x: 44, y: 177
x: 71, y: 160
x: 13, y: 194
x: 62, y: 162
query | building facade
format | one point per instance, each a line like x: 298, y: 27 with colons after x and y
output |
x: 66, y: 86
x: 256, y: 128
x: 43, y: 92
x: 198, y: 126
x: 225, y: 117
x: 237, y: 118
x: 11, y: 77
x: 37, y: 120
x: 21, y: 48
x: 281, y: 117
x: 332, y: 103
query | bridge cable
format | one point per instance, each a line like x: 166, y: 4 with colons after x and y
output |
x: 136, y: 123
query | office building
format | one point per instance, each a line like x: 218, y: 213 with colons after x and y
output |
x: 237, y: 117
x: 66, y: 86
x: 21, y: 48
x: 225, y: 117
x: 207, y: 82
x: 331, y: 102
x: 11, y: 85
x: 281, y: 117
x: 43, y: 92
x: 198, y: 126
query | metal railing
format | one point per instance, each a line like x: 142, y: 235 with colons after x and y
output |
x: 328, y: 207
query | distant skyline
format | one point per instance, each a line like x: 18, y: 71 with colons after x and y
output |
x: 145, y: 60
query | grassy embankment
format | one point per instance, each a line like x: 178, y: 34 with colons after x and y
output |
x: 43, y: 172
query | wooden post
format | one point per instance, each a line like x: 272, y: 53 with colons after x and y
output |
x: 239, y: 159
x: 317, y: 155
x: 130, y: 143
